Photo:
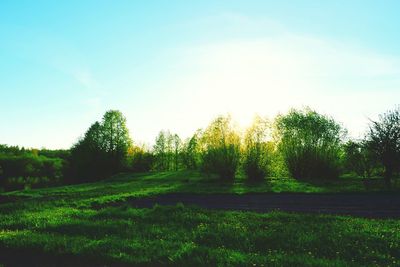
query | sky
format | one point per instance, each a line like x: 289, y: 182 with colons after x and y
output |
x: 177, y: 64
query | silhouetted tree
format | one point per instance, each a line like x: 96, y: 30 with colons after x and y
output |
x: 221, y: 149
x: 310, y: 144
x: 88, y: 158
x: 103, y: 149
x: 384, y: 139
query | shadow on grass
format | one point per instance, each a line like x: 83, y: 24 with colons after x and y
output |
x: 181, y: 236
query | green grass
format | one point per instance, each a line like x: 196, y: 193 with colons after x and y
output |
x: 124, y: 186
x: 185, y: 236
x: 60, y: 226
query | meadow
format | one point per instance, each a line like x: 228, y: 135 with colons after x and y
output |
x: 92, y: 224
x: 199, y: 133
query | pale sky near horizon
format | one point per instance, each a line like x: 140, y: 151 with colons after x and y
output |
x: 178, y: 64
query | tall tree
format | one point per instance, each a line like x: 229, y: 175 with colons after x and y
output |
x: 160, y: 151
x: 169, y: 150
x: 176, y: 147
x: 88, y: 156
x: 116, y: 140
x: 103, y: 149
x: 191, y: 151
x: 384, y: 139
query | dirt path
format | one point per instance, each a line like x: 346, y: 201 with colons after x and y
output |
x: 363, y: 205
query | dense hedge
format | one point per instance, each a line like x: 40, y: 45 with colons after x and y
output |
x: 28, y: 169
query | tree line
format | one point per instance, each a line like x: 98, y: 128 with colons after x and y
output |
x: 303, y: 144
x: 26, y: 168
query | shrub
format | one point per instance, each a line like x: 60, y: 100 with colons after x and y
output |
x: 221, y: 149
x: 310, y: 144
x: 256, y: 151
x: 141, y: 161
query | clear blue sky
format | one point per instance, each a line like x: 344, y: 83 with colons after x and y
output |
x: 177, y: 64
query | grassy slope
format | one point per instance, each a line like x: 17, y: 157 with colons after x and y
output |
x: 124, y: 186
x: 60, y: 223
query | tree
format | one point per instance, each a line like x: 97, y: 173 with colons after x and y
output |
x: 358, y: 158
x: 310, y: 144
x: 221, y: 149
x: 160, y: 151
x: 169, y: 150
x: 116, y: 140
x: 176, y: 147
x: 384, y: 139
x: 103, y: 149
x: 256, y: 156
x: 87, y: 156
x: 191, y: 151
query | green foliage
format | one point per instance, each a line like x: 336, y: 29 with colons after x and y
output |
x: 140, y: 160
x: 221, y: 149
x: 176, y: 149
x: 160, y: 151
x: 310, y: 144
x: 191, y: 152
x: 359, y: 159
x: 103, y: 150
x: 167, y: 151
x: 115, y: 139
x: 384, y: 139
x: 307, y: 146
x: 20, y: 169
x: 257, y: 150
x: 58, y: 153
x: 13, y: 150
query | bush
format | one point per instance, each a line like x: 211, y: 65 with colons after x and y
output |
x: 29, y: 171
x: 310, y: 144
x: 30, y: 165
x: 257, y: 151
x: 19, y: 183
x: 142, y: 161
x: 223, y: 161
x: 220, y: 149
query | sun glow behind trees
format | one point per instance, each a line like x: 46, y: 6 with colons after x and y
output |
x: 175, y: 66
x: 268, y: 76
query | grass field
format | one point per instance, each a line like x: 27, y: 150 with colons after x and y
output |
x: 64, y: 226
x: 124, y: 186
